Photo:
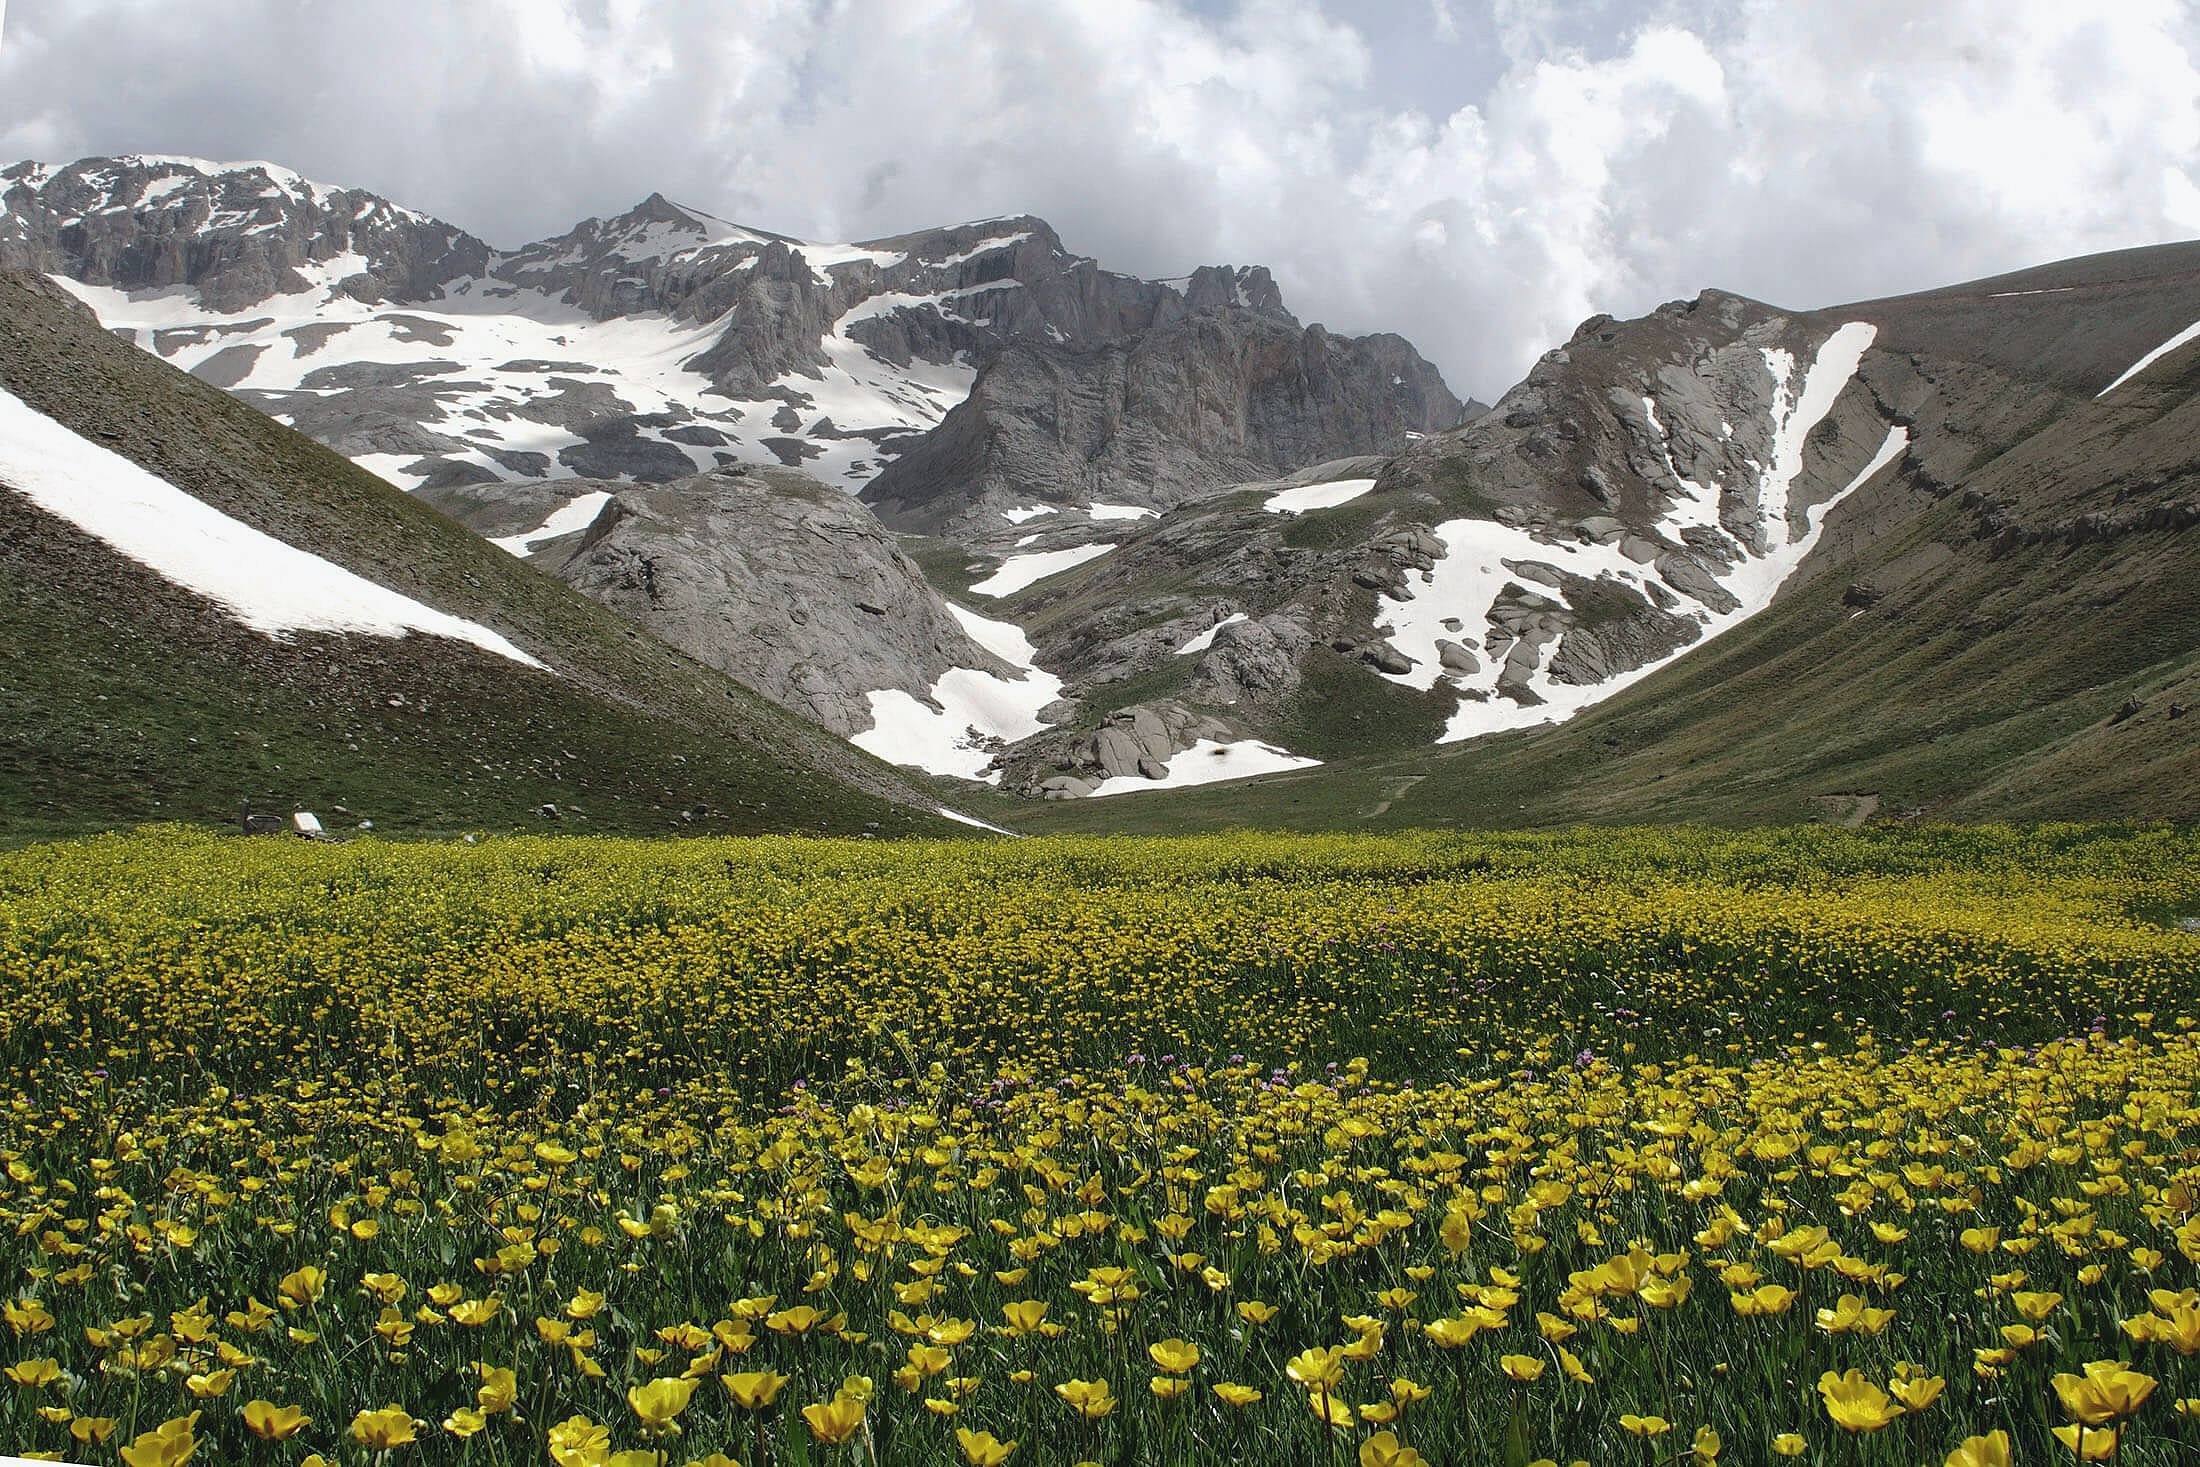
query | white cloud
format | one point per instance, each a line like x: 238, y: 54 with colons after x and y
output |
x: 1607, y: 154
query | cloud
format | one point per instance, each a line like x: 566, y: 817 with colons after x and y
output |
x: 1476, y: 174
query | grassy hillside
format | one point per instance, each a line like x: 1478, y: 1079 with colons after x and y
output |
x: 126, y: 699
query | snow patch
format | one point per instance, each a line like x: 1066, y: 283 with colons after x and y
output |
x: 576, y: 514
x: 1018, y: 516
x: 1316, y: 496
x: 1209, y: 762
x: 1206, y: 638
x: 271, y: 587
x: 1121, y: 512
x: 970, y: 714
x: 1019, y: 571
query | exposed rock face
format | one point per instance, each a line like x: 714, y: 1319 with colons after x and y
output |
x: 1221, y: 396
x: 239, y: 237
x: 767, y: 575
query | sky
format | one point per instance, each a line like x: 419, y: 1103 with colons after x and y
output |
x: 1477, y: 175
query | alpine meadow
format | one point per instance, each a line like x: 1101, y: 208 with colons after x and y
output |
x: 1625, y: 1147
x: 793, y: 734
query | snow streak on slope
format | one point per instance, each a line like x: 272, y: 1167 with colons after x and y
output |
x: 1019, y: 571
x: 577, y: 513
x: 1206, y: 638
x: 1483, y: 557
x: 2190, y: 333
x: 970, y: 714
x: 1209, y: 762
x: 271, y: 587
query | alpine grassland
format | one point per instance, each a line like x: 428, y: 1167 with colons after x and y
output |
x: 1870, y: 1148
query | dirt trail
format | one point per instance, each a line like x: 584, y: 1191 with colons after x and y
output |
x: 1392, y: 793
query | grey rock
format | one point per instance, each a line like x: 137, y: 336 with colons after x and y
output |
x: 766, y: 575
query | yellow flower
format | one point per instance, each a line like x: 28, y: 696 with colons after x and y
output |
x: 1915, y: 1389
x: 1644, y: 1426
x: 1092, y: 1399
x: 2108, y: 1390
x: 92, y: 1430
x: 1854, y: 1403
x: 272, y: 1423
x: 1705, y: 1448
x: 1168, y: 1387
x: 1024, y: 1316
x: 1383, y: 1450
x: 1331, y: 1410
x: 579, y: 1442
x: 465, y: 1422
x: 1990, y: 1450
x: 1850, y: 1315
x: 799, y: 1320
x: 302, y: 1287
x: 2090, y: 1443
x: 1316, y: 1368
x: 1174, y: 1355
x: 1766, y: 1299
x: 980, y: 1449
x: 1409, y: 1392
x: 1254, y: 1312
x: 753, y: 1390
x: 833, y: 1422
x: 1789, y: 1444
x: 499, y: 1389
x: 168, y: 1445
x: 1522, y: 1368
x: 474, y: 1313
x: 1451, y: 1332
x: 658, y: 1402
x: 1232, y: 1394
x: 2035, y: 1306
x: 384, y: 1430
x: 207, y: 1387
x: 34, y: 1374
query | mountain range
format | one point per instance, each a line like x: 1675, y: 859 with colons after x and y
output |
x: 995, y: 514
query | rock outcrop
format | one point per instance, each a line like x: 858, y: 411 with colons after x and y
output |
x: 1220, y: 396
x: 769, y: 576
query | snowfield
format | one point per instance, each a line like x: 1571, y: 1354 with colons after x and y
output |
x: 271, y: 587
x: 1019, y: 571
x: 1209, y: 762
x: 1316, y: 496
x: 577, y: 513
x: 971, y: 713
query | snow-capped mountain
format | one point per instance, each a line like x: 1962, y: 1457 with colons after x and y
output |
x: 658, y: 344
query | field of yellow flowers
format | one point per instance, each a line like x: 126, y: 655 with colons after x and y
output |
x: 1639, y: 1147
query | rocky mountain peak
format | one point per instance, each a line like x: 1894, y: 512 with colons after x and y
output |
x: 240, y: 233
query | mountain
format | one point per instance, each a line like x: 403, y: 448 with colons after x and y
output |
x: 653, y: 346
x: 205, y: 607
x: 1114, y: 536
x: 1998, y: 617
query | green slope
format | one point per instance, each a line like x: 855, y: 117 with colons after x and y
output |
x: 124, y: 699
